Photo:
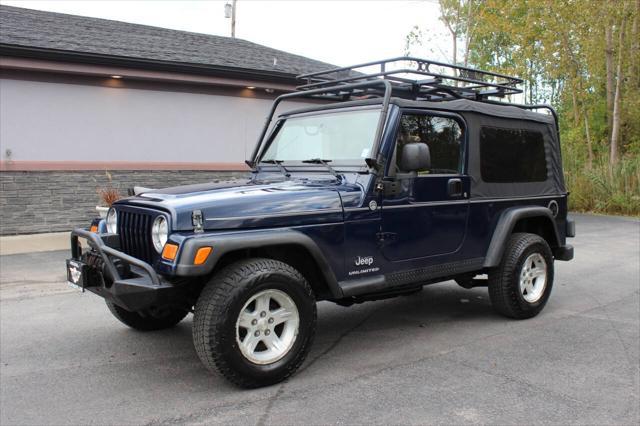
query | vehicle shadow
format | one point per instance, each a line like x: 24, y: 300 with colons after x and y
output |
x: 442, y: 306
x: 440, y: 303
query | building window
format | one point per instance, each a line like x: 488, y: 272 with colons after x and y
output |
x: 443, y: 136
x: 512, y: 155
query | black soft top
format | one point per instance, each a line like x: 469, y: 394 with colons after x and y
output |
x: 477, y: 115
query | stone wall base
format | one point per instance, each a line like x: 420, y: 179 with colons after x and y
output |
x: 54, y: 201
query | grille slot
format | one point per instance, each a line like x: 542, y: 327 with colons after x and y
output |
x: 134, y: 229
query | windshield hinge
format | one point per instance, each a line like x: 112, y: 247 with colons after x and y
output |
x: 371, y: 163
x: 377, y: 168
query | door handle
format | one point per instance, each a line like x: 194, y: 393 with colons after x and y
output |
x: 454, y: 187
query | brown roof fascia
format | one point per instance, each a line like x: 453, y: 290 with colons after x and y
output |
x: 19, y: 57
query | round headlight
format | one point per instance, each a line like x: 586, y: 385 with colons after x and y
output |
x: 159, y: 233
x: 112, y: 221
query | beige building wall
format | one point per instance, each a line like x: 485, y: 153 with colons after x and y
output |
x: 46, y: 121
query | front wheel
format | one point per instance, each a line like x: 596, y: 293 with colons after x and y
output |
x: 520, y: 286
x: 254, y: 322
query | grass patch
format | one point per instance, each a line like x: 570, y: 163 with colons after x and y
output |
x: 597, y: 189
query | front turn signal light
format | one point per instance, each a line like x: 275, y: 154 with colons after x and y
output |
x: 169, y: 251
x: 201, y: 255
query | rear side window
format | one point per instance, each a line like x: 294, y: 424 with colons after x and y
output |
x: 512, y: 155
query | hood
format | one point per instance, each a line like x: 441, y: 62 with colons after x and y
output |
x: 252, y: 203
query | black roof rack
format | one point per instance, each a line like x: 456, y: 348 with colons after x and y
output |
x: 412, y: 78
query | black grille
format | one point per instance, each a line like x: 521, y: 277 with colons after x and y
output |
x: 134, y: 229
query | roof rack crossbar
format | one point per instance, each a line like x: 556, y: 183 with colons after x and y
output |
x: 368, y: 77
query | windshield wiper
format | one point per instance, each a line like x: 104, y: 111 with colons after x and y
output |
x: 279, y: 165
x: 324, y: 162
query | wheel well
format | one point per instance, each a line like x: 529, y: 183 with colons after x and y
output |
x: 292, y: 254
x: 538, y: 225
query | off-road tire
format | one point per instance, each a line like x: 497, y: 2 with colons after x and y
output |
x: 148, y: 322
x: 218, y: 308
x: 504, y: 280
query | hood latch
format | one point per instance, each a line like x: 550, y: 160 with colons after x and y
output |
x: 197, y: 221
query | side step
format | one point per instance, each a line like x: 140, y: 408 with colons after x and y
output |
x: 412, y: 277
x: 405, y: 291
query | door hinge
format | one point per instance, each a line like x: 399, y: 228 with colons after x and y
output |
x: 386, y: 236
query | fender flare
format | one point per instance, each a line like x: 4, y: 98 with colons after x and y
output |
x: 226, y: 243
x: 504, y: 228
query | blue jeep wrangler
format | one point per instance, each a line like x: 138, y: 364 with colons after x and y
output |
x: 392, y: 180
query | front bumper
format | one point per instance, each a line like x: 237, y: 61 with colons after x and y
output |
x: 128, y: 282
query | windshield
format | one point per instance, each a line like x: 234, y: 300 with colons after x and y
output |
x: 335, y: 136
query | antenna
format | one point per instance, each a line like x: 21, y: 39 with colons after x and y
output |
x: 230, y: 12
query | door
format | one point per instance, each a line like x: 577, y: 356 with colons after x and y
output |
x: 427, y: 213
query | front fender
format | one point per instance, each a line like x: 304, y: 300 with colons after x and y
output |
x: 223, y: 243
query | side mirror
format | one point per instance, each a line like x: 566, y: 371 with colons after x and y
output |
x: 414, y: 157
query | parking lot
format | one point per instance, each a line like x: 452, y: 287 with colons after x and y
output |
x: 439, y: 356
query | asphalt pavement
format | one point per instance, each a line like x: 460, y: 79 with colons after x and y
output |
x: 438, y: 356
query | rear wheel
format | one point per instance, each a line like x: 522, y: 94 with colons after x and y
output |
x: 521, y: 285
x: 254, y: 322
x: 149, y: 321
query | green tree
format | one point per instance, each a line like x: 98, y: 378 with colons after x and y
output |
x: 581, y: 56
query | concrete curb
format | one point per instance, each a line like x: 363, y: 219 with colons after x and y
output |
x: 18, y: 244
